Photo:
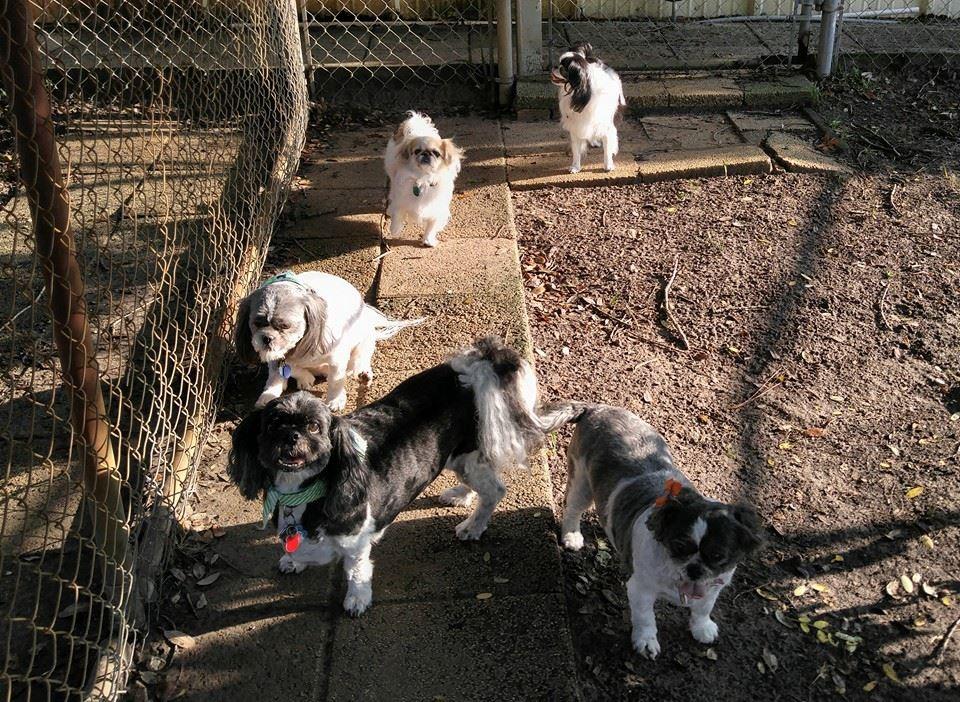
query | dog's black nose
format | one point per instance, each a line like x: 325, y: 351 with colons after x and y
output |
x: 694, y: 571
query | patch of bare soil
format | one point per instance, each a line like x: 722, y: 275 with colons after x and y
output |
x: 821, y: 383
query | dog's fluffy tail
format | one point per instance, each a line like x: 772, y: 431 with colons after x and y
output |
x: 386, y: 327
x: 505, y: 392
x: 416, y: 123
x: 554, y: 415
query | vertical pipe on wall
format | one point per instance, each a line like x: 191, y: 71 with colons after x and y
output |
x: 805, y: 33
x: 505, y: 57
x: 828, y: 36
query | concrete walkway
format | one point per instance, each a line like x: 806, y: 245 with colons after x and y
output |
x: 450, y: 620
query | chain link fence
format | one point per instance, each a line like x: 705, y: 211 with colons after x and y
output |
x: 149, y: 148
x: 715, y: 34
x: 365, y: 50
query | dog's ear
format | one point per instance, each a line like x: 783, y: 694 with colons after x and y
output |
x: 314, y: 334
x: 243, y: 336
x: 751, y: 529
x: 347, y: 457
x: 579, y: 84
x: 406, y: 151
x: 244, y: 466
x: 452, y: 154
x: 667, y: 517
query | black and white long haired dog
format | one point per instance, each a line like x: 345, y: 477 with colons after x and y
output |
x: 674, y: 543
x: 591, y: 95
x: 331, y: 485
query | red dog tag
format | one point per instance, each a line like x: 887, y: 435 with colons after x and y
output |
x: 292, y: 542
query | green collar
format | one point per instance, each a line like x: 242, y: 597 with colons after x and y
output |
x: 274, y: 498
x: 285, y: 277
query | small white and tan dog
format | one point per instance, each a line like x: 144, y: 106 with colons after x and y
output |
x: 591, y: 95
x: 422, y: 169
x: 311, y: 324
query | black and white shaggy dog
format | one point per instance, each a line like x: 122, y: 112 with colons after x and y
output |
x: 674, y: 543
x: 590, y: 95
x: 333, y: 484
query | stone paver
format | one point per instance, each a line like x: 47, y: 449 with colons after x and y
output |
x: 799, y: 156
x: 733, y: 160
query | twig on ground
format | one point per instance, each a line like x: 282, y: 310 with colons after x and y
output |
x: 893, y: 203
x: 764, y: 388
x: 603, y: 219
x: 883, y: 314
x: 941, y: 647
x: 377, y: 258
x: 666, y: 304
x: 25, y: 309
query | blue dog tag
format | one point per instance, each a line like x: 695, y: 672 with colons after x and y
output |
x: 286, y: 371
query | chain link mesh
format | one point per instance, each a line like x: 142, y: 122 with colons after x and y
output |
x: 712, y: 34
x: 149, y: 148
x: 358, y: 48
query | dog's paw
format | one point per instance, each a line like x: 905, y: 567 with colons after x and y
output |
x: 458, y: 496
x: 469, y: 530
x: 704, y: 630
x: 365, y: 376
x: 574, y: 169
x: 646, y: 646
x: 356, y: 603
x: 430, y: 241
x: 337, y: 402
x: 287, y: 565
x: 264, y: 399
x: 608, y: 167
x: 572, y: 540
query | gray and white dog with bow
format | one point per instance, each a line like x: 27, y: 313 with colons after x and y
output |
x: 674, y: 543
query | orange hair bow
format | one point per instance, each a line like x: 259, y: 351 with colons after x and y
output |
x: 673, y: 488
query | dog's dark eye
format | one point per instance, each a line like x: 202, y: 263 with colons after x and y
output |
x: 260, y: 321
x: 435, y: 153
x: 418, y: 151
x: 281, y: 326
x: 313, y: 427
x: 683, y: 548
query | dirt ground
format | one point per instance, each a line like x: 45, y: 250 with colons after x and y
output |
x: 821, y: 383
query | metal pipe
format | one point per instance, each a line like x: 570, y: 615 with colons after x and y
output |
x: 805, y: 33
x: 864, y: 15
x: 505, y: 73
x: 828, y: 36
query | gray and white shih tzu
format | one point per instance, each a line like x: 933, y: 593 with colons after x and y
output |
x: 307, y: 325
x: 674, y: 543
x: 333, y: 484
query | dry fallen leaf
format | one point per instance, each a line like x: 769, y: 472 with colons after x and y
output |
x: 501, y: 581
x: 819, y: 587
x: 209, y: 580
x: 892, y: 588
x: 484, y: 595
x: 814, y: 432
x: 821, y: 624
x: 799, y: 591
x: 927, y: 542
x: 710, y: 654
x: 907, y: 584
x: 947, y: 601
x: 179, y: 639
x: 770, y: 659
x: 914, y: 492
x: 891, y: 673
x: 929, y: 590
x: 766, y: 595
x: 869, y: 686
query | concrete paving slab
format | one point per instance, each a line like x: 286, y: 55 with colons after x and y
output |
x: 780, y: 92
x: 453, y: 322
x: 350, y: 258
x: 688, y: 131
x: 320, y: 213
x: 465, y: 266
x: 501, y: 647
x: 704, y: 92
x: 754, y: 127
x: 799, y: 156
x: 731, y: 160
x: 539, y: 171
x: 420, y: 557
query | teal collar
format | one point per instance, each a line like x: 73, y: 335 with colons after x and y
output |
x: 274, y: 498
x: 285, y: 277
